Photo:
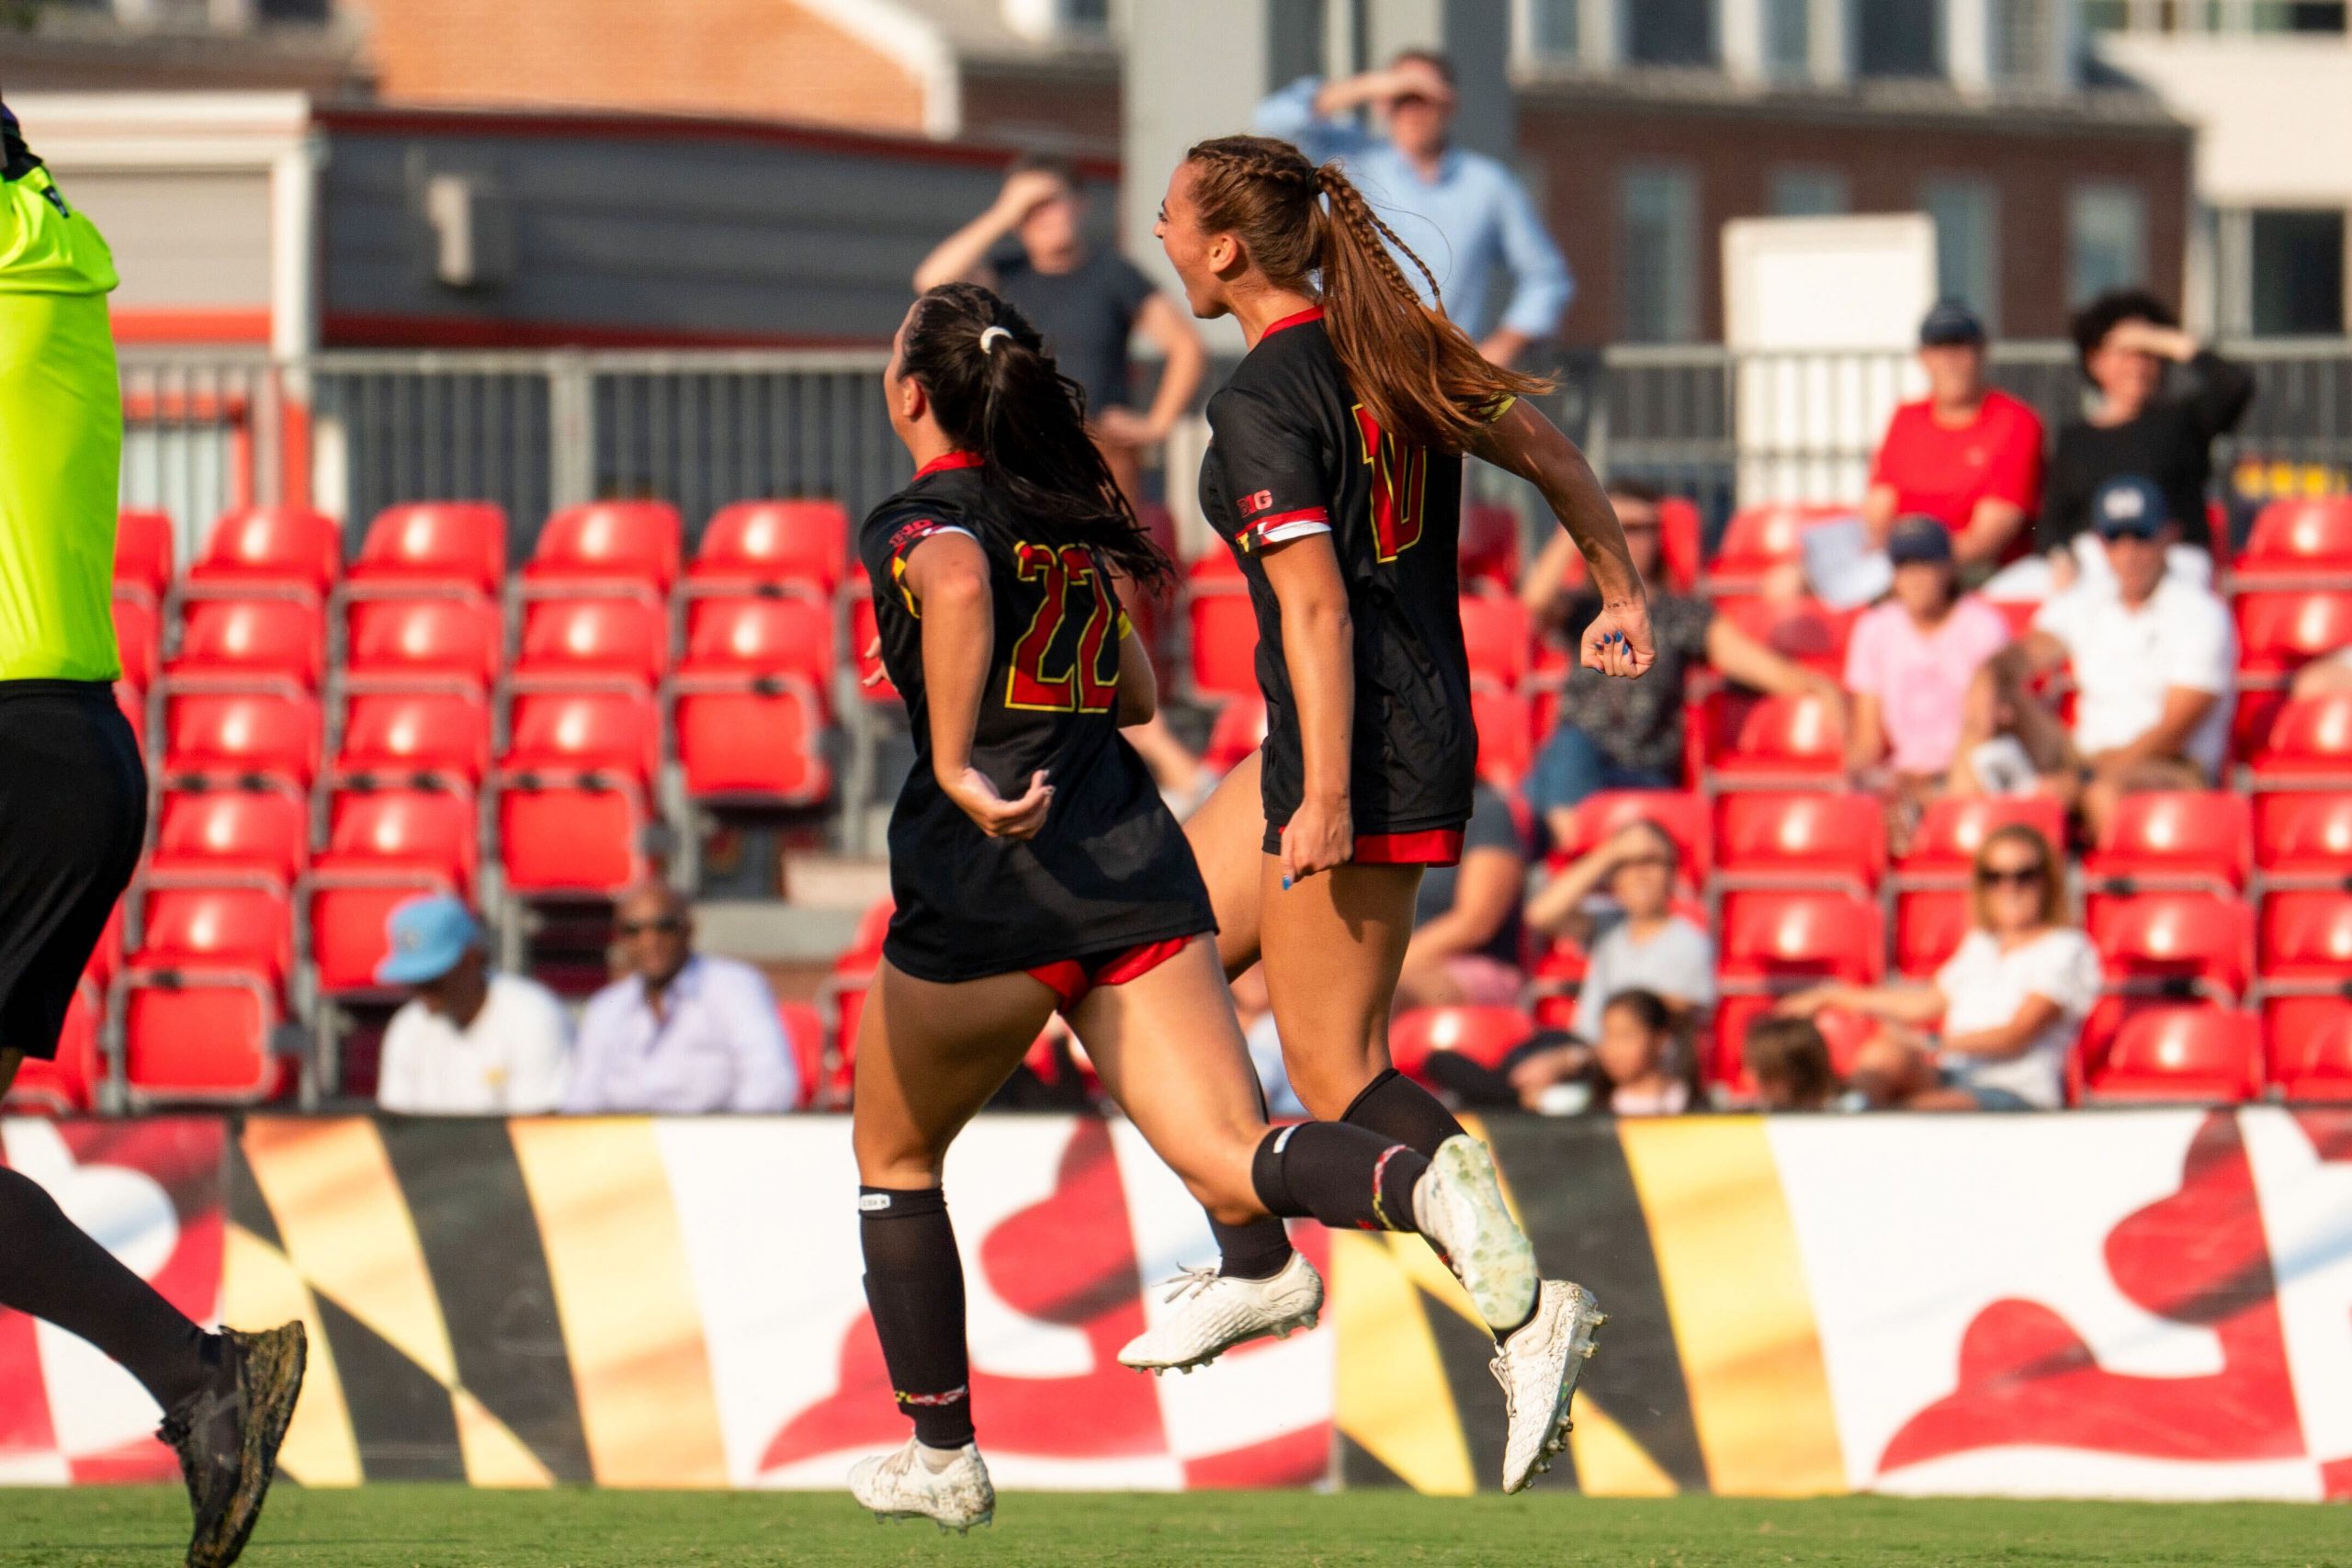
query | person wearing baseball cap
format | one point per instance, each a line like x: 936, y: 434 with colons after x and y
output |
x: 1967, y: 455
x: 469, y: 1041
x: 2155, y: 659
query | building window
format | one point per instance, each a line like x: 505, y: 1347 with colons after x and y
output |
x: 1554, y: 30
x: 1788, y: 39
x: 2023, y: 39
x: 1669, y: 33
x: 1968, y: 242
x: 1797, y: 192
x: 2108, y: 227
x: 1899, y: 38
x: 1657, y: 210
x: 2297, y: 15
x: 2297, y: 274
x: 316, y: 12
x: 1086, y: 15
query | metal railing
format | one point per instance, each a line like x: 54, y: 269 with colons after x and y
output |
x: 352, y: 433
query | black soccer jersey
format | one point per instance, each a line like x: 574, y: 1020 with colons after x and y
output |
x: 1293, y: 453
x: 1111, y: 869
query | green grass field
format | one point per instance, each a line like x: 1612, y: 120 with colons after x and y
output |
x: 397, y: 1527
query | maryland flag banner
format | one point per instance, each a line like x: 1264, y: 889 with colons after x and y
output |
x: 2144, y: 1303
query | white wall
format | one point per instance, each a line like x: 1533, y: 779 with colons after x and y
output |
x: 2274, y: 114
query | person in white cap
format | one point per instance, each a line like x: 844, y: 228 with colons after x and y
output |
x: 468, y: 1042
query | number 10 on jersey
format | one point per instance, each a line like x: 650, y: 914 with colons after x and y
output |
x: 1070, y: 582
x: 1398, y: 475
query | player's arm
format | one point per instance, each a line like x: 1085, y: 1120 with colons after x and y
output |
x: 1319, y: 648
x: 1138, y: 683
x: 947, y: 574
x: 1523, y: 442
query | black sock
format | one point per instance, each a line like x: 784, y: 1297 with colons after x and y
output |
x: 914, y: 1283
x: 1402, y: 1111
x: 1396, y: 1107
x: 1260, y: 1249
x: 1343, y: 1176
x: 49, y: 1268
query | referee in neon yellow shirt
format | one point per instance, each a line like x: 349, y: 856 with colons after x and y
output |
x: 72, y: 813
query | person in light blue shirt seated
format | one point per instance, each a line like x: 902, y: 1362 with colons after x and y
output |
x: 682, y: 1033
x: 1462, y: 212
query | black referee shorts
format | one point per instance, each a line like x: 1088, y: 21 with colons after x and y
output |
x: 73, y: 815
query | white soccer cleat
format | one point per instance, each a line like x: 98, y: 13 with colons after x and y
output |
x: 1219, y: 1312
x: 1459, y: 1207
x: 1538, y: 1368
x: 899, y: 1485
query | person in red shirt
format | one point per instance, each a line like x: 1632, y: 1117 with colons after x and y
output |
x: 1967, y: 455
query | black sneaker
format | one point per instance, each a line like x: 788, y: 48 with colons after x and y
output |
x: 227, y: 1439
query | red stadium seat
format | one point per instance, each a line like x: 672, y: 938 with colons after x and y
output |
x: 1929, y: 925
x: 1490, y: 548
x: 2308, y: 1046
x: 1758, y: 538
x: 250, y: 640
x: 1749, y: 738
x: 612, y: 731
x: 570, y: 840
x: 1501, y: 642
x: 201, y: 1035
x: 139, y: 636
x: 132, y: 702
x: 67, y: 1086
x: 2162, y: 941
x: 598, y: 639
x: 1506, y: 728
x: 143, y: 554
x: 753, y: 637
x: 617, y: 545
x: 417, y: 831
x: 2307, y: 936
x: 861, y: 628
x: 410, y: 640
x: 280, y: 548
x: 1223, y: 629
x: 1806, y: 837
x: 1236, y: 733
x: 2302, y: 742
x: 755, y: 543
x: 2280, y: 631
x: 107, y: 957
x: 2302, y: 836
x: 2299, y: 539
x: 2141, y: 1051
x: 1772, y: 937
x: 239, y: 735
x: 400, y: 735
x: 454, y: 546
x: 263, y: 833
x: 347, y: 911
x: 1846, y: 1034
x: 1683, y: 817
x: 1951, y: 829
x: 752, y: 741
x: 1804, y: 631
x: 192, y: 923
x: 1485, y: 1034
x: 2176, y: 837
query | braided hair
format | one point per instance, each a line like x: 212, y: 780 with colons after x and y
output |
x: 1418, y: 373
x: 996, y: 391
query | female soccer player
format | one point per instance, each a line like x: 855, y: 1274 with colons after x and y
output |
x: 1335, y: 474
x: 1035, y: 868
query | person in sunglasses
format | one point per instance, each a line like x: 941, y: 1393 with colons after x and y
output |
x: 682, y: 1033
x: 2011, y: 998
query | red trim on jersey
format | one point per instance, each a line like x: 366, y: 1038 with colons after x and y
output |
x: 1071, y: 978
x: 1434, y: 846
x: 1255, y: 537
x: 1312, y: 313
x: 950, y: 460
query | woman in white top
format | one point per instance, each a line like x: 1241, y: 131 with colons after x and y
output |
x: 2011, y: 1000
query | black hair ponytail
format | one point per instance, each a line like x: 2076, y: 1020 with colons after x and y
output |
x: 996, y: 391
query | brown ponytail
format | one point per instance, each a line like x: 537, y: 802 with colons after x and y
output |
x: 1416, y: 373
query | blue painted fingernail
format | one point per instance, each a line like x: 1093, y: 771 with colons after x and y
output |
x: 1286, y: 884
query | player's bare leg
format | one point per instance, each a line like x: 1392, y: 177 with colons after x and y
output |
x: 1224, y: 834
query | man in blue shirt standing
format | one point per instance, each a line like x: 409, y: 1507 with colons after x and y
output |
x: 1464, y: 213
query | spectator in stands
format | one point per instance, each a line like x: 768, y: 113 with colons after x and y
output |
x: 681, y: 1032
x: 1464, y: 213
x: 2154, y: 657
x: 2325, y: 677
x: 1788, y: 1060
x: 1628, y: 734
x: 1085, y: 300
x: 1645, y: 944
x: 2012, y: 999
x: 468, y: 1042
x: 1908, y: 667
x: 1631, y: 1068
x: 1467, y: 925
x: 2123, y: 338
x: 1967, y: 455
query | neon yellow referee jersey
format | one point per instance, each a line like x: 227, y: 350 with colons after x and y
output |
x: 61, y: 439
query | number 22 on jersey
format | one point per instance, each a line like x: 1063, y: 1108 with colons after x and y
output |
x: 1044, y: 677
x: 1398, y: 475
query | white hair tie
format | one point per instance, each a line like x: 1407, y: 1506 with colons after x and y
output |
x: 989, y: 334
